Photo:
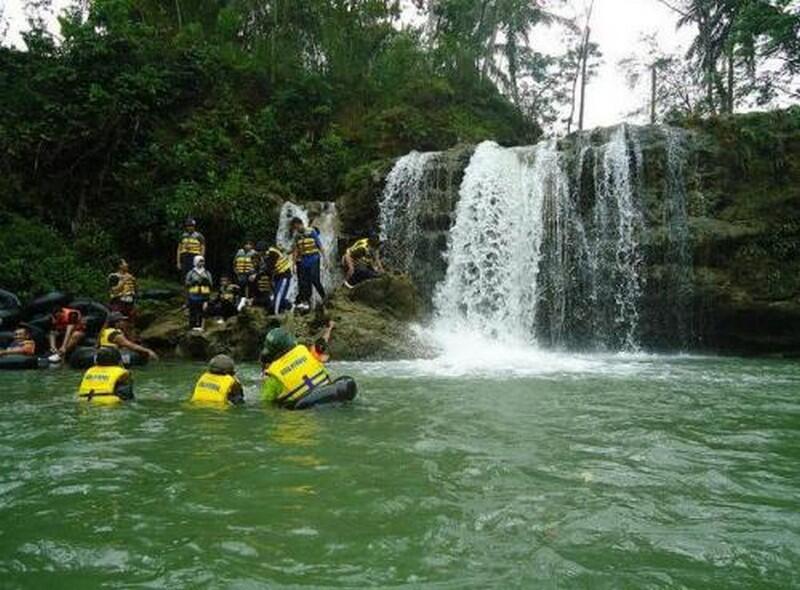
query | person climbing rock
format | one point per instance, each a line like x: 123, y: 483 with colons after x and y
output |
x: 278, y: 266
x: 192, y: 243
x: 244, y: 269
x: 198, y: 290
x: 68, y: 329
x: 219, y: 383
x: 112, y: 335
x: 22, y: 344
x: 108, y: 381
x: 307, y: 256
x: 122, y: 294
x: 362, y: 262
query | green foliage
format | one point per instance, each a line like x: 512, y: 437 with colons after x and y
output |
x: 148, y: 111
x: 35, y: 259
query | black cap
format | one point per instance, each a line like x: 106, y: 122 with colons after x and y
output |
x: 108, y: 357
x: 115, y: 317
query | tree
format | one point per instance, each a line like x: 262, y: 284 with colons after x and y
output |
x: 738, y: 37
x: 675, y: 89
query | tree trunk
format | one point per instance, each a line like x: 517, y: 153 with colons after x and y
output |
x: 731, y: 81
x: 178, y: 12
x: 653, y: 88
x: 585, y: 59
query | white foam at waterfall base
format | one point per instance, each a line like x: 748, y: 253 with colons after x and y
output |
x: 473, y: 355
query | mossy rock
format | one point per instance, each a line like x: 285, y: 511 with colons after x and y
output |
x: 391, y: 293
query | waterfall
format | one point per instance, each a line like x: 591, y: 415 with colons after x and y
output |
x: 324, y: 217
x: 617, y: 259
x: 400, y: 208
x: 680, y: 275
x: 493, y: 256
x: 549, y: 244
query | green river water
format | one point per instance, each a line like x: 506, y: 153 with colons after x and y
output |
x: 569, y: 472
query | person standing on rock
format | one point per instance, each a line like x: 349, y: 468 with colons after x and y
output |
x: 244, y: 267
x: 198, y: 291
x: 308, y: 259
x: 278, y: 267
x: 123, y: 289
x: 192, y: 244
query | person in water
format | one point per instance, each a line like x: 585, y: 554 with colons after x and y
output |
x: 307, y: 256
x: 219, y: 383
x: 321, y: 347
x: 122, y: 292
x: 290, y: 369
x: 198, y: 290
x: 362, y: 262
x: 22, y: 344
x: 223, y: 303
x: 244, y: 268
x: 112, y: 335
x: 68, y: 329
x: 191, y: 244
x: 278, y: 267
x: 108, y: 381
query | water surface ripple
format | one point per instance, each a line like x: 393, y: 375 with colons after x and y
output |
x: 580, y: 472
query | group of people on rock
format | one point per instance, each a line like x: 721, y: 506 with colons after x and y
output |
x: 261, y: 275
x: 291, y: 371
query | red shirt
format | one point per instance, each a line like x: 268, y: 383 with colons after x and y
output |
x: 67, y: 317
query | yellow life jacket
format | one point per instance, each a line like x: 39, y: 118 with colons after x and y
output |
x: 359, y: 248
x: 306, y: 244
x: 283, y: 264
x: 299, y: 372
x: 264, y: 283
x: 99, y: 384
x: 125, y: 289
x: 106, y: 337
x: 243, y: 263
x: 228, y: 293
x: 361, y: 253
x: 191, y: 243
x: 200, y: 284
x: 213, y: 388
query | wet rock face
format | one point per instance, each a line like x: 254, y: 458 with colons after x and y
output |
x: 720, y: 239
x: 372, y: 323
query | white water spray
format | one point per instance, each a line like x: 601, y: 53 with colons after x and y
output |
x: 400, y: 204
x: 493, y: 254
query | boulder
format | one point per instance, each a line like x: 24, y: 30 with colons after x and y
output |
x: 393, y: 294
x: 372, y: 323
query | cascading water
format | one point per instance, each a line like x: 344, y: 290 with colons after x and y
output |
x: 616, y: 260
x: 678, y: 258
x: 493, y: 257
x: 547, y: 243
x: 400, y: 208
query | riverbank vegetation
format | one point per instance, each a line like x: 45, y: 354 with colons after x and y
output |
x: 141, y: 112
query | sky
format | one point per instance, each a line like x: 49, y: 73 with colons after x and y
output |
x: 617, y: 26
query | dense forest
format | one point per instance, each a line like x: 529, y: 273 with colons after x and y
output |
x: 138, y: 113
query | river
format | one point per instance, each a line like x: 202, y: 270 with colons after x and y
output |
x: 558, y: 471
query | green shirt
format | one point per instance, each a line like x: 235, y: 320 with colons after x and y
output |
x: 271, y: 388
